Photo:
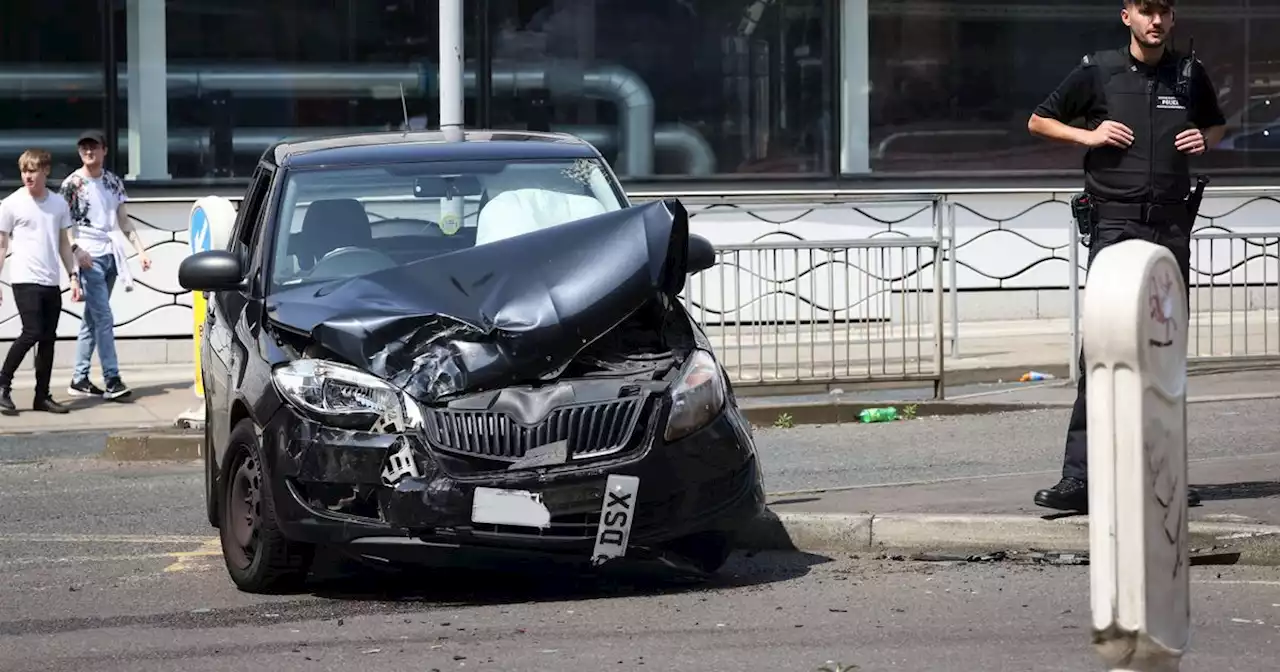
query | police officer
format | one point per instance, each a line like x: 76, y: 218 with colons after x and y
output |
x: 1147, y: 110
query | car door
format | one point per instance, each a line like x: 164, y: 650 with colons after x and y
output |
x: 225, y: 311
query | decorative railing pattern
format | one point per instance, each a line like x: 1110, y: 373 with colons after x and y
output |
x: 1016, y: 241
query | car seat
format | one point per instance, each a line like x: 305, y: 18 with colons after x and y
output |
x: 328, y: 225
x: 520, y: 211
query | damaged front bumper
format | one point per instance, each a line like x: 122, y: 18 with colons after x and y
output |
x: 330, y: 487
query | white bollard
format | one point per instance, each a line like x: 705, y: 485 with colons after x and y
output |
x: 1135, y: 343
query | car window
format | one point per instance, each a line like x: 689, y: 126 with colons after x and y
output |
x: 339, y: 222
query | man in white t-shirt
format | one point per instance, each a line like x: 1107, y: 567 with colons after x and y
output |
x: 35, y: 226
x: 97, y: 197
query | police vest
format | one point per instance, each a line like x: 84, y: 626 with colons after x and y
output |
x: 1147, y: 100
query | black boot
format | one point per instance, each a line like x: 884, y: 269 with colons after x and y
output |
x: 48, y: 405
x: 6, y: 402
x: 1070, y: 494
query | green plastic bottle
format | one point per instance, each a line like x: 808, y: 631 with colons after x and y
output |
x: 887, y: 414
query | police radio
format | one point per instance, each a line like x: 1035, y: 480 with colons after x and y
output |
x: 1185, y: 67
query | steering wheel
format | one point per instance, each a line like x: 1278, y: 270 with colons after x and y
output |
x: 420, y: 227
x: 350, y: 261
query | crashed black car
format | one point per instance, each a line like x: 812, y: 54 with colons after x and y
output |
x: 414, y: 345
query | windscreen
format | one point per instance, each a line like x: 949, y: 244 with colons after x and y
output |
x: 349, y: 221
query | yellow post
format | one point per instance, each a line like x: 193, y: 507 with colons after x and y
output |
x: 200, y: 239
x: 198, y: 312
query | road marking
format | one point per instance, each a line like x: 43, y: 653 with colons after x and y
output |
x: 104, y: 539
x: 1241, y: 582
x: 209, y: 548
x: 84, y: 558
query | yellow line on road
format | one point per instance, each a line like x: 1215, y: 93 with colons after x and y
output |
x: 103, y: 539
x: 209, y: 548
x: 81, y: 558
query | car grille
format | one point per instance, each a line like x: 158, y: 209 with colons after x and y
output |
x: 590, y: 430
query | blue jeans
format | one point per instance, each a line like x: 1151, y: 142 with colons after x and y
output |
x: 97, y: 326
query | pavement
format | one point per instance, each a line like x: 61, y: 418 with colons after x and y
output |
x: 840, y: 405
x: 160, y: 394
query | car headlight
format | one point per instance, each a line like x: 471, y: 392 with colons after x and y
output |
x: 697, y: 397
x: 344, y: 396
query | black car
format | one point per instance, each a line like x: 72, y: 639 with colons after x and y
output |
x: 415, y: 345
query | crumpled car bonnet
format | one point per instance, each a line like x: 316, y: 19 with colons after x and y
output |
x: 512, y: 310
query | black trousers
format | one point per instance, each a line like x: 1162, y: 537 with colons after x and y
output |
x: 39, y: 307
x: 1174, y: 235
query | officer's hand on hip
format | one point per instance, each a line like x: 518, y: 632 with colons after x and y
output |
x: 1111, y: 133
x: 1190, y: 141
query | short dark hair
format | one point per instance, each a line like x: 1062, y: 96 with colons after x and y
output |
x: 1147, y: 5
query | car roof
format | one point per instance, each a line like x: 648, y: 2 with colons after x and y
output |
x: 400, y: 147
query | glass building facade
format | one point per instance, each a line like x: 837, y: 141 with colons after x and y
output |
x: 669, y: 90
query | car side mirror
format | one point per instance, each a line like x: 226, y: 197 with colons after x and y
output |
x: 701, y: 254
x: 211, y: 271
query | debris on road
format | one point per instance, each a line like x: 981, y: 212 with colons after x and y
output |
x: 1211, y: 556
x: 883, y: 414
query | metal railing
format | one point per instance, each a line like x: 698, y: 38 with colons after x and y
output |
x: 1235, y: 284
x: 827, y: 312
x: 1234, y: 307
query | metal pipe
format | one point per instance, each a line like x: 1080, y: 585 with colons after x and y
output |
x: 696, y: 154
x: 451, y: 69
x: 635, y: 116
x: 613, y: 83
x: 699, y: 156
x: 629, y: 92
x: 245, y: 81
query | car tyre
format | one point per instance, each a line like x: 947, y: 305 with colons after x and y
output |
x: 258, y: 556
x: 210, y: 475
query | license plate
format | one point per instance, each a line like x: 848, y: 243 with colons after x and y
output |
x: 509, y: 507
x: 617, y: 513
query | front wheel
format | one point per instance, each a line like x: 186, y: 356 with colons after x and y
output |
x: 258, y: 556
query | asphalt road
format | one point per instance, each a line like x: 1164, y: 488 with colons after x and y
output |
x: 137, y: 604
x: 111, y: 567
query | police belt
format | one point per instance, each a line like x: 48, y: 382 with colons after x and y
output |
x: 1142, y: 212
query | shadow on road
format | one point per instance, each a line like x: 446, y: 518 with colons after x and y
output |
x: 1241, y: 490
x: 541, y: 581
x: 344, y: 589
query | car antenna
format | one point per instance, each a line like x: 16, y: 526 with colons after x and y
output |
x: 404, y: 107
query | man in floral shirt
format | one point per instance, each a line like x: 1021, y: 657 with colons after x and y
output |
x: 97, y: 200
